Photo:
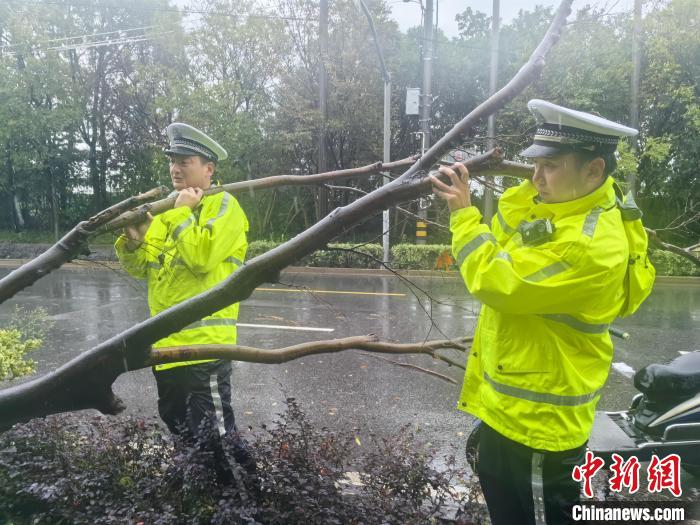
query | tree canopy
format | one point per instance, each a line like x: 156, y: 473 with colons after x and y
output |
x: 86, y: 91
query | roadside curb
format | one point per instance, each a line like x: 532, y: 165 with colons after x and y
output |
x: 358, y: 272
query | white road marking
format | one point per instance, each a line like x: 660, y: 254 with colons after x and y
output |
x: 624, y: 369
x: 282, y: 327
x: 340, y: 292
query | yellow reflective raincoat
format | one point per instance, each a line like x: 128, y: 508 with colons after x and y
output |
x: 542, y: 350
x: 186, y: 252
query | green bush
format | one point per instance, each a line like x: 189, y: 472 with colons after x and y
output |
x: 346, y: 255
x: 417, y: 256
x: 338, y: 255
x: 256, y: 248
x: 667, y: 263
x: 426, y: 256
x: 24, y: 333
x: 13, y: 348
x: 76, y: 470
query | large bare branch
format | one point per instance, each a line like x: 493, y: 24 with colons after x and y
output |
x: 86, y: 380
x: 685, y: 253
x: 265, y: 183
x: 368, y: 343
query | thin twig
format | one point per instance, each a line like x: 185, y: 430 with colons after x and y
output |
x: 415, y: 367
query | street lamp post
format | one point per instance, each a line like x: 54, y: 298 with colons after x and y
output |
x: 387, y: 123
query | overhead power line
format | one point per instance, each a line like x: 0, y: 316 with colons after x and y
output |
x: 102, y: 43
x: 171, y: 10
x: 76, y: 37
x: 88, y: 45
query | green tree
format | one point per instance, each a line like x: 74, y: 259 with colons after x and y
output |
x: 670, y: 117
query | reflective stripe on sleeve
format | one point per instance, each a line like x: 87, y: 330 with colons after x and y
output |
x: 153, y: 265
x: 577, y: 324
x: 210, y: 322
x: 182, y: 226
x: 540, y: 397
x: 505, y: 256
x: 504, y: 225
x: 222, y: 211
x: 591, y: 221
x: 234, y: 261
x: 547, y: 271
x: 472, y: 245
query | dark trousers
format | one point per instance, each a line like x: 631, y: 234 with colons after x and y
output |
x: 195, y: 401
x: 524, y: 486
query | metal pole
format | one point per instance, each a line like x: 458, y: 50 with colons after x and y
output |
x: 322, y: 193
x: 493, y: 86
x: 427, y: 75
x: 634, y: 102
x: 387, y: 158
x: 421, y: 227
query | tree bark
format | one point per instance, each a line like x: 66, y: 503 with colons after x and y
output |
x: 369, y: 343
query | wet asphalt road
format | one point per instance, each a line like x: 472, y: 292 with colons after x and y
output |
x: 347, y: 390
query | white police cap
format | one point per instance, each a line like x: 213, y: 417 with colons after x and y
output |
x: 186, y: 140
x: 564, y: 130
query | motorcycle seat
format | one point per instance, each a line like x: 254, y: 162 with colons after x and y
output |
x: 678, y: 379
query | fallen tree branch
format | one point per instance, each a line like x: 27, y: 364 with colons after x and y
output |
x: 507, y: 168
x: 654, y: 237
x: 368, y: 343
x: 86, y: 381
x: 399, y: 208
x: 501, y: 168
x: 275, y: 181
x: 69, y: 246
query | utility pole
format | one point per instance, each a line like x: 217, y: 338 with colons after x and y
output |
x: 387, y: 125
x: 634, y: 102
x: 493, y: 86
x: 321, y: 192
x: 386, y: 226
x: 426, y: 109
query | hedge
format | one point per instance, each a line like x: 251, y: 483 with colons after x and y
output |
x: 96, y: 470
x: 433, y: 257
x: 348, y: 255
x: 667, y: 263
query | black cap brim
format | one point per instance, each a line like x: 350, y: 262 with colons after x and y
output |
x: 182, y: 150
x: 537, y: 150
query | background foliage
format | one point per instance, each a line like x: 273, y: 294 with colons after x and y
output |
x: 83, y: 124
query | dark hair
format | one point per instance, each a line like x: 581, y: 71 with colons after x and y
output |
x: 582, y: 157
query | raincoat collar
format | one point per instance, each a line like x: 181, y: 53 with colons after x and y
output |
x: 603, y: 196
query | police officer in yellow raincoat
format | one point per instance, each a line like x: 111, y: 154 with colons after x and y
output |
x: 182, y: 253
x: 553, y: 270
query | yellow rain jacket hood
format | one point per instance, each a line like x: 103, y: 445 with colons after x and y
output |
x: 542, y: 350
x: 186, y: 252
